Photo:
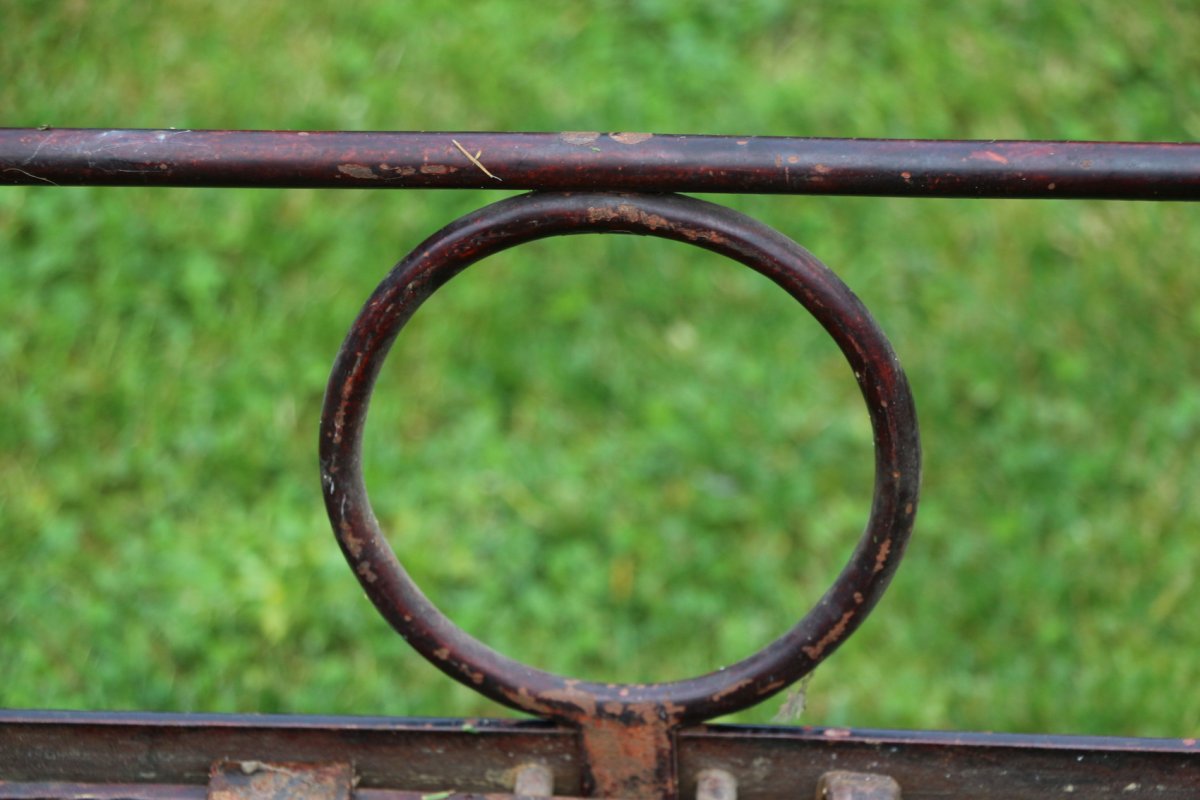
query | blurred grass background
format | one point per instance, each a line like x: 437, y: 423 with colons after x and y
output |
x: 616, y: 458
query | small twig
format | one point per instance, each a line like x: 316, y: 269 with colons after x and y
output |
x: 30, y: 174
x: 474, y: 159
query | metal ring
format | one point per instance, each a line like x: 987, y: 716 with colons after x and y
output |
x: 536, y: 216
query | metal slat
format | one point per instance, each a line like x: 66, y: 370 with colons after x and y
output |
x: 158, y: 754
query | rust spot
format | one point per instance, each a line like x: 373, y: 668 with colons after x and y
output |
x: 635, y: 214
x: 628, y: 213
x: 793, y: 159
x: 703, y: 235
x: 601, y: 215
x: 858, y: 598
x: 368, y: 574
x: 821, y: 169
x: 836, y: 733
x: 585, y: 702
x: 907, y: 176
x: 630, y: 759
x: 908, y: 508
x: 579, y: 137
x: 353, y: 543
x: 632, y: 214
x: 398, y: 170
x: 523, y: 699
x: 630, y: 138
x: 833, y: 637
x: 882, y: 555
x: 358, y: 171
x: 442, y: 654
x: 990, y: 156
x: 436, y: 169
x: 728, y: 690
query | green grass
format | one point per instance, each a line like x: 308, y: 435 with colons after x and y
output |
x: 614, y: 458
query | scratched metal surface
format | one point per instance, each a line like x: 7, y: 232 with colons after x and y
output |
x: 635, y: 741
x: 103, y: 755
x: 626, y: 729
x: 605, y: 162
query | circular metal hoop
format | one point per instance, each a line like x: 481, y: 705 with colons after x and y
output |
x: 535, y: 216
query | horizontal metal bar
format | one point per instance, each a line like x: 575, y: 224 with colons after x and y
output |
x: 771, y: 763
x: 434, y: 756
x: 58, y: 790
x: 166, y: 791
x: 595, y: 161
x: 409, y: 754
x: 176, y: 791
x: 172, y: 791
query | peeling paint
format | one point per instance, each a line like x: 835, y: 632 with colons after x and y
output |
x: 358, y: 171
x: 832, y: 637
x: 579, y: 137
x: 1109, y: 170
x: 731, y: 688
x: 626, y: 730
x: 352, y: 542
x: 368, y: 574
x: 631, y: 138
x: 885, y: 548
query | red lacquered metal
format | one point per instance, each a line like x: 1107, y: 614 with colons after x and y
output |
x: 634, y: 741
x: 601, y: 162
x: 621, y: 723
